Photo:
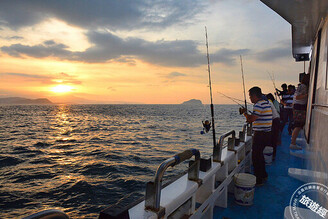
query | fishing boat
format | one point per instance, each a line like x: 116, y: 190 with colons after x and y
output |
x: 205, y: 190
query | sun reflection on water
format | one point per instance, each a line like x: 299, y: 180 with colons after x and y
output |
x: 75, y: 157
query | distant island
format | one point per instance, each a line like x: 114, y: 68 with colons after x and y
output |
x: 20, y: 100
x: 193, y: 102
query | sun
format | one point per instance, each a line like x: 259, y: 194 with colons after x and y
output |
x: 61, y: 88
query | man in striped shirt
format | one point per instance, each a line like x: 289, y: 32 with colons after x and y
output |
x: 287, y: 101
x: 262, y: 122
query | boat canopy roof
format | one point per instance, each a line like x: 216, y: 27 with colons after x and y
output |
x: 305, y: 17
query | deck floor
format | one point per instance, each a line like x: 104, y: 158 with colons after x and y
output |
x: 270, y: 199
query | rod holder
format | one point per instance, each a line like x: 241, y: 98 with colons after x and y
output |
x: 249, y: 129
x: 217, y: 149
x: 231, y: 143
x: 205, y: 164
x: 242, y: 134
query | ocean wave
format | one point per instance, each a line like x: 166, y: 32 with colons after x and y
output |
x: 41, y: 144
x: 21, y: 177
x: 6, y: 161
x: 82, y: 158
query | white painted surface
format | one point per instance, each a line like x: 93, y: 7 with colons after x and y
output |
x: 305, y: 175
x: 181, y: 190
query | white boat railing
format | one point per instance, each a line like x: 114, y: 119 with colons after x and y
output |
x: 194, y: 195
x: 153, y: 189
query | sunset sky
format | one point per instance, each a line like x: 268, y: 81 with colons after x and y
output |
x: 141, y: 51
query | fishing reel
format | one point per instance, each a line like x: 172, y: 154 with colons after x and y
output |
x: 242, y: 110
x: 206, y: 126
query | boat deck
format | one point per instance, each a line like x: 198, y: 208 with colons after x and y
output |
x: 270, y: 199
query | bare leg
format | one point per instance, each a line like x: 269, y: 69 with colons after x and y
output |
x: 295, y: 134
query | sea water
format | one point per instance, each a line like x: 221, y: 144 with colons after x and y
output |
x: 83, y: 158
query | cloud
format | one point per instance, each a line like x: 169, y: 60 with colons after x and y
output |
x: 109, y: 47
x: 115, y: 15
x: 12, y: 37
x: 128, y: 60
x: 49, y: 42
x: 27, y: 77
x: 38, y: 51
x: 111, y: 88
x: 23, y: 75
x: 175, y: 74
x: 66, y: 79
x: 61, y: 78
x: 274, y: 54
x: 228, y: 56
x: 167, y: 53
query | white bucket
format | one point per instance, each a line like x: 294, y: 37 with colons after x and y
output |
x: 268, y: 153
x: 244, y: 188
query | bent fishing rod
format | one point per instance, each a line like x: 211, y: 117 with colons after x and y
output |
x: 210, y: 84
x: 234, y: 100
x: 274, y: 84
x: 242, y: 75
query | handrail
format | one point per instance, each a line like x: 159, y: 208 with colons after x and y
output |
x: 153, y: 189
x: 249, y: 129
x: 242, y: 134
x: 320, y: 104
x: 217, y: 149
x: 51, y: 213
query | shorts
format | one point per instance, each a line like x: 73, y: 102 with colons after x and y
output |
x: 299, y: 118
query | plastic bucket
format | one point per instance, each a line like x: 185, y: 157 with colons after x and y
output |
x: 244, y: 188
x: 268, y: 153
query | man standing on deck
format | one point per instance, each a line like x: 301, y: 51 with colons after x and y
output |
x: 262, y: 122
x: 283, y: 114
x: 288, y: 107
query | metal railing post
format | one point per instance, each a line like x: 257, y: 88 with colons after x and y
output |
x: 217, y: 150
x: 249, y: 129
x: 153, y: 189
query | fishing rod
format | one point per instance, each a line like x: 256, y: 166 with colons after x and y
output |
x: 233, y: 99
x: 242, y: 74
x: 210, y: 84
x: 274, y: 84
